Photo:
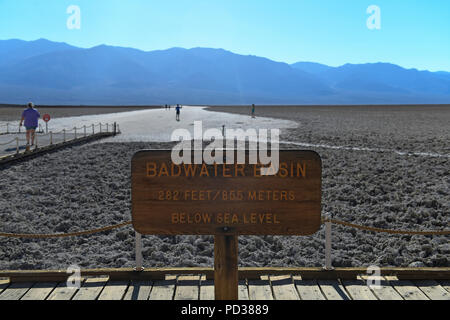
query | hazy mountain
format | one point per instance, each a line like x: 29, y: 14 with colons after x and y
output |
x: 57, y: 73
x: 443, y: 74
x: 312, y: 67
x: 14, y: 50
x: 385, y: 78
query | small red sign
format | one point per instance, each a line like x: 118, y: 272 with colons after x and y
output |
x: 46, y: 117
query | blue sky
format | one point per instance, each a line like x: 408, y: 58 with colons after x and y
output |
x: 413, y: 34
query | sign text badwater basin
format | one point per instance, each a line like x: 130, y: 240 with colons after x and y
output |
x: 202, y: 199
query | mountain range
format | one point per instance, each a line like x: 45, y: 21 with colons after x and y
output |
x: 47, y: 72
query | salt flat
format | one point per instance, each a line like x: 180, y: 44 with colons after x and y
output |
x: 158, y: 124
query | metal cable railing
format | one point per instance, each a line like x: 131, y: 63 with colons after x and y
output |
x: 75, y: 133
x: 8, y: 128
x: 333, y: 221
x: 138, y: 239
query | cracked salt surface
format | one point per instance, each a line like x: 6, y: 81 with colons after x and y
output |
x: 401, y: 153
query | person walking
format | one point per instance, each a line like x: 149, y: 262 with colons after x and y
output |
x: 253, y: 110
x: 177, y: 109
x: 31, y: 116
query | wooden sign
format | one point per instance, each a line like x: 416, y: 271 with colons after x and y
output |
x: 234, y: 199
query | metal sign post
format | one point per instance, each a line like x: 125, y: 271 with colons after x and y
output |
x: 46, y: 118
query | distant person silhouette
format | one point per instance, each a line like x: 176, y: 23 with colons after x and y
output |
x: 253, y: 110
x: 31, y: 117
x: 177, y: 110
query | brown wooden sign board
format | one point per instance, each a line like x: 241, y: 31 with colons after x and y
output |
x: 226, y: 200
x: 202, y: 199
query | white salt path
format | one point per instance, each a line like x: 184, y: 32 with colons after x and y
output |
x: 158, y: 124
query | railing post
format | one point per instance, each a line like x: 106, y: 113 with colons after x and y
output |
x: 51, y: 137
x: 93, y: 129
x: 138, y: 246
x: 64, y: 135
x: 75, y: 130
x: 35, y: 140
x: 107, y: 127
x: 17, y: 144
x: 100, y: 128
x: 115, y: 128
x: 7, y: 128
x: 328, y: 264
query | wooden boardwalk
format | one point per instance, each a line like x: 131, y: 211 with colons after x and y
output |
x: 8, y: 152
x: 197, y: 287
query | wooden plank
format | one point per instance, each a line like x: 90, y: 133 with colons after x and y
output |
x: 384, y: 291
x: 91, y: 289
x: 4, y: 284
x: 308, y: 289
x: 244, y: 273
x: 114, y: 290
x: 206, y: 289
x: 163, y: 289
x: 138, y: 290
x: 226, y: 267
x: 46, y: 149
x: 432, y: 289
x: 358, y: 290
x: 406, y: 289
x: 39, y: 291
x: 445, y: 284
x: 112, y: 273
x: 243, y: 290
x: 283, y: 288
x: 187, y: 288
x: 260, y: 289
x: 15, y: 291
x: 62, y: 292
x: 333, y: 290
